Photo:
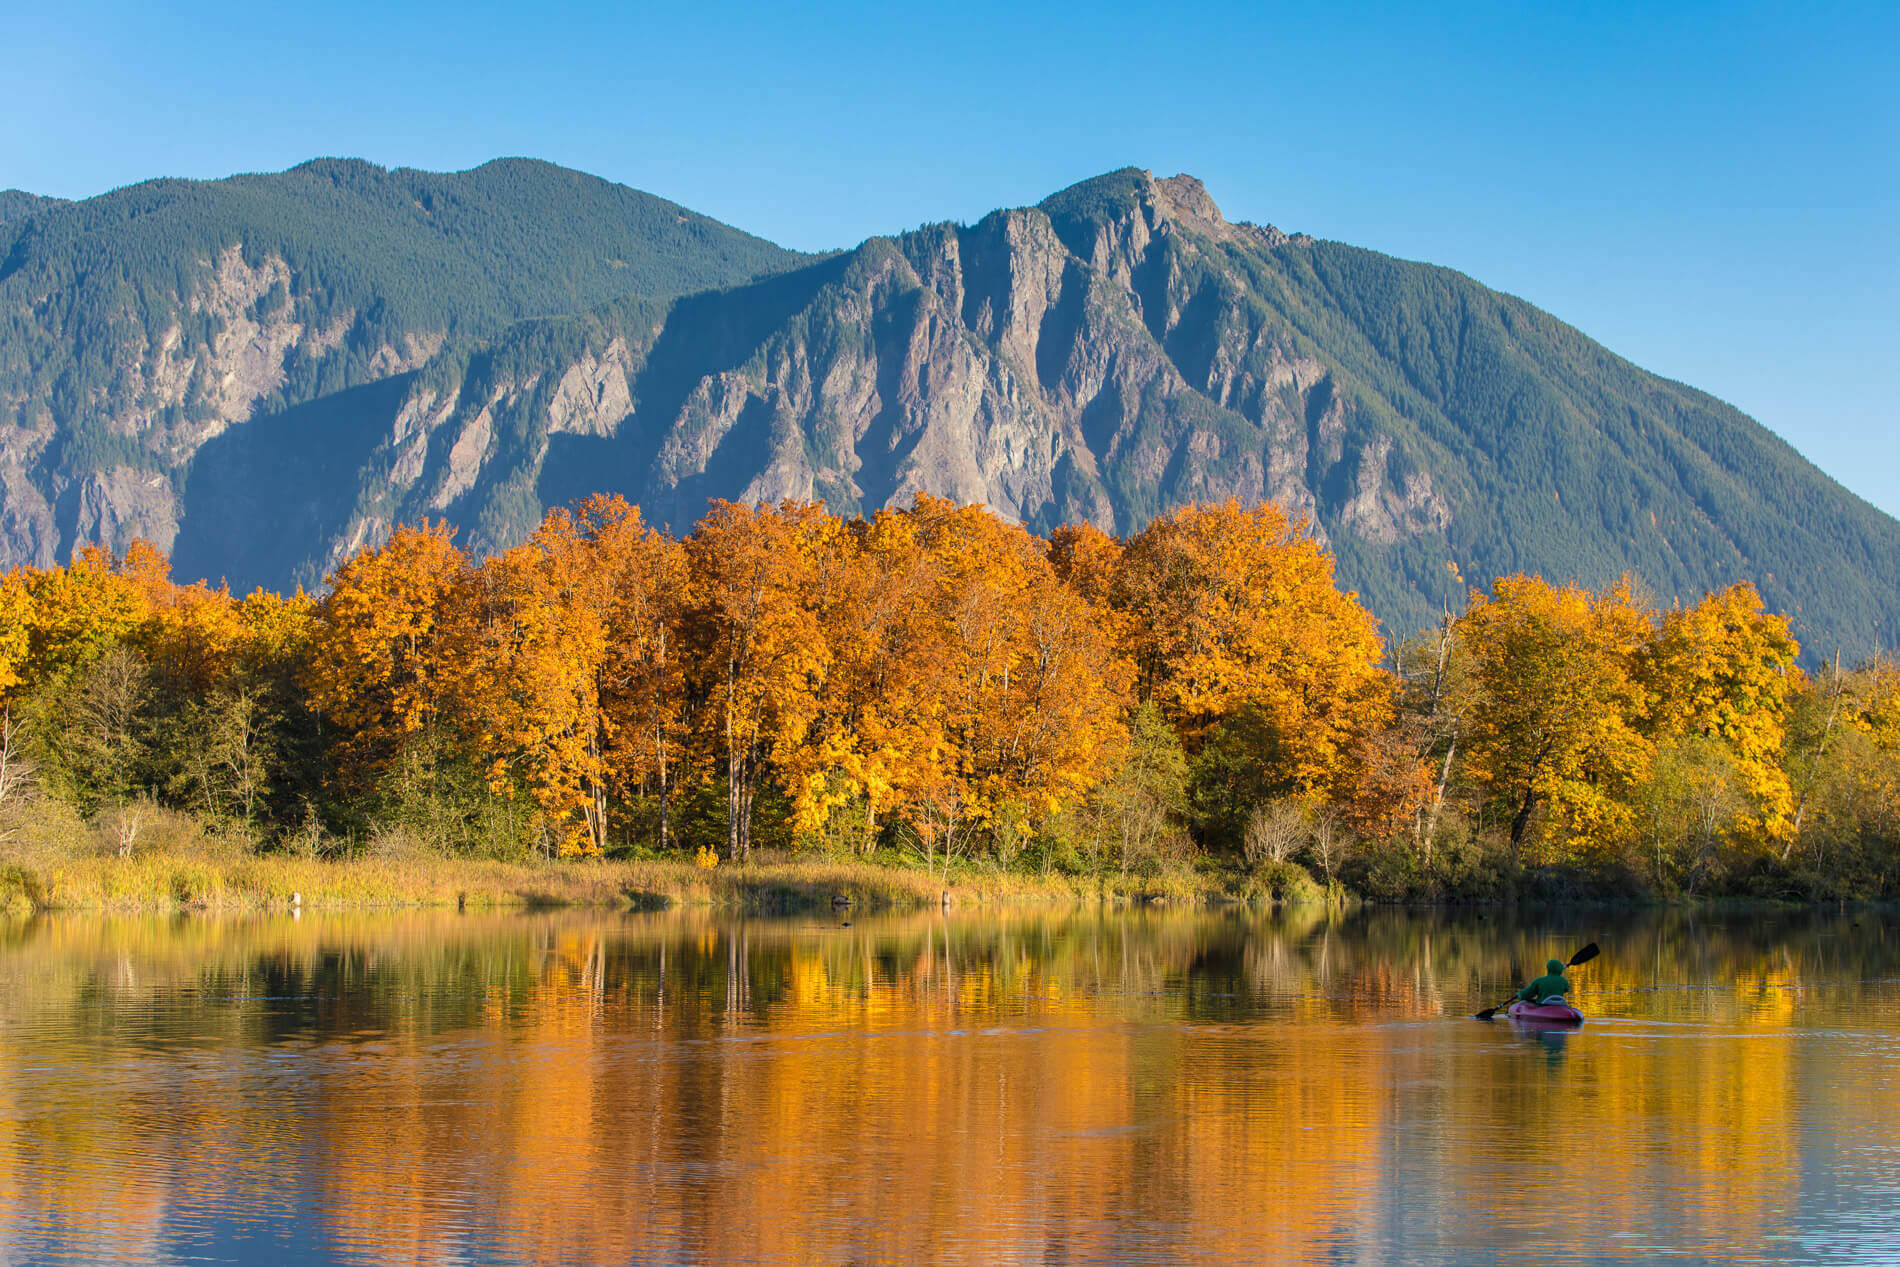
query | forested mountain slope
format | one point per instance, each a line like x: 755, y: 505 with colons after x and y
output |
x: 1116, y: 350
x: 137, y: 325
x: 15, y: 203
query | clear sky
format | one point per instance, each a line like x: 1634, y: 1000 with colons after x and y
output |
x: 1713, y: 190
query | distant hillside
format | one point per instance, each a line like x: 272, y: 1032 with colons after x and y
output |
x: 1119, y: 349
x: 137, y: 325
x: 16, y: 203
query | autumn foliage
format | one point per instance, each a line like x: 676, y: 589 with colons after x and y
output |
x: 937, y: 681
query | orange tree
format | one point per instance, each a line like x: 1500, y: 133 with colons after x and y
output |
x: 871, y: 741
x: 641, y: 675
x: 1271, y: 674
x: 383, y: 658
x: 571, y: 666
x: 1088, y: 560
x: 755, y: 641
x: 1032, y: 692
x: 533, y: 645
x: 196, y: 635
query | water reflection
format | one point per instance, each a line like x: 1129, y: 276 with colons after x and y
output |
x: 553, y: 1088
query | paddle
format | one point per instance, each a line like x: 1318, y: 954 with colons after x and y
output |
x: 1582, y: 956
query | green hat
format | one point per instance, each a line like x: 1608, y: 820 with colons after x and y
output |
x: 1555, y: 967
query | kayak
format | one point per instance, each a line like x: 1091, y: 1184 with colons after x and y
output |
x: 1553, y: 1011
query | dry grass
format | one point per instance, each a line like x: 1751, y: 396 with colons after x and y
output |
x: 166, y: 880
x: 57, y: 862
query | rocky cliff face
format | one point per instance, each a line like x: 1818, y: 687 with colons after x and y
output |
x: 1097, y: 358
x: 1118, y: 349
x: 141, y: 326
x: 236, y: 336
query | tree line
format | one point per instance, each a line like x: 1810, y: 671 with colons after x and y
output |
x: 939, y: 684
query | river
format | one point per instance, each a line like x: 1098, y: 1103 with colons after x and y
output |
x: 978, y: 1088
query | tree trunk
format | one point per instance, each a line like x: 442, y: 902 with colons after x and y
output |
x: 748, y: 775
x: 1523, y: 818
x: 1820, y: 751
x: 596, y: 808
x: 734, y: 776
x: 659, y: 736
x: 597, y: 816
x: 659, y: 747
x: 1438, y: 795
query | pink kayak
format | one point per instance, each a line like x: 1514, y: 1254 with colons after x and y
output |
x: 1556, y: 1011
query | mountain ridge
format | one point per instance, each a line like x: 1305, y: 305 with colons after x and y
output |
x: 138, y: 325
x: 1116, y: 349
x: 16, y: 204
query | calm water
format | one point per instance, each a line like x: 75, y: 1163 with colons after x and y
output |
x: 984, y: 1089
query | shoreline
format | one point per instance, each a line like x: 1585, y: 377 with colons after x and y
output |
x: 186, y: 882
x: 173, y: 882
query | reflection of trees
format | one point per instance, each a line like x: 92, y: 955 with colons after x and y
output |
x: 981, y: 1087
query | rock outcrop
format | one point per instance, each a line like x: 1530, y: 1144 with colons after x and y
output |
x: 1070, y: 362
x: 141, y: 326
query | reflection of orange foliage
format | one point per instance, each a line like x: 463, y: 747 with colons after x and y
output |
x: 985, y: 1089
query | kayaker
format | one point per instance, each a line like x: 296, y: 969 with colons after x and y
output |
x: 1552, y: 985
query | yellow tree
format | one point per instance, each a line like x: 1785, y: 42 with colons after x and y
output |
x: 1874, y: 692
x: 876, y: 741
x: 276, y: 629
x: 757, y: 644
x: 1843, y: 737
x: 1230, y: 609
x: 1434, y: 697
x: 16, y: 610
x: 16, y: 614
x: 1557, y: 704
x: 85, y: 627
x: 533, y: 647
x: 81, y: 611
x: 196, y: 635
x: 1723, y: 670
x: 380, y: 665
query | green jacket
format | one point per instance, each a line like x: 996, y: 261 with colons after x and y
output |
x: 1551, y: 984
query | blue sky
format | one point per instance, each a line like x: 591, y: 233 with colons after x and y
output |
x: 1711, y: 190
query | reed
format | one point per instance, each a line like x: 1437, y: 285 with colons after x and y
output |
x: 172, y: 862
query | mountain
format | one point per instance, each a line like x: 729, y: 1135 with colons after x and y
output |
x: 137, y: 326
x: 16, y: 203
x: 1116, y: 350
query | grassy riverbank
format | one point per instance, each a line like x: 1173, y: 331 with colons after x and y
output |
x: 52, y: 860
x: 180, y: 865
x: 192, y: 880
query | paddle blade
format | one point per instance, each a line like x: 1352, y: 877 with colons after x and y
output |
x: 1488, y: 1013
x: 1584, y: 956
